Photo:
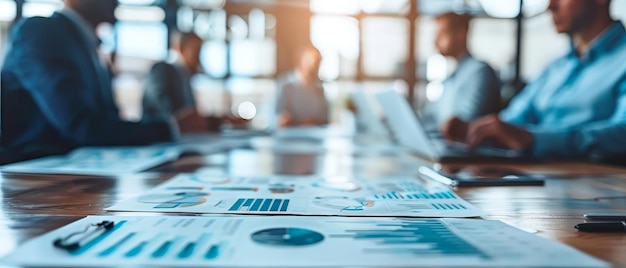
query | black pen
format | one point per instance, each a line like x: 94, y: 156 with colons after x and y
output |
x: 602, y: 227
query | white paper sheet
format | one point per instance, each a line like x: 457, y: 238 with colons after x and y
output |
x: 280, y: 195
x: 244, y: 241
x: 99, y: 161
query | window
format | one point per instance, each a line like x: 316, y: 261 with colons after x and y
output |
x: 142, y: 40
x: 252, y: 53
x: 337, y: 38
x: 43, y: 8
x: 385, y: 46
x: 7, y: 11
x: 237, y: 45
x: 618, y: 10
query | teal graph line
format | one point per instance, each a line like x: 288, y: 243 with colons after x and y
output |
x: 98, y: 239
x: 117, y: 245
x: 189, y: 249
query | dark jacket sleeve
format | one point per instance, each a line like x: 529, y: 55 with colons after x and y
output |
x: 44, y: 65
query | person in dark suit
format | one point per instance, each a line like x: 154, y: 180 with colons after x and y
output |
x: 56, y: 93
x: 169, y: 89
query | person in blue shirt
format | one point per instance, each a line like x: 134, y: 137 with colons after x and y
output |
x: 56, y: 92
x: 473, y: 89
x: 577, y: 107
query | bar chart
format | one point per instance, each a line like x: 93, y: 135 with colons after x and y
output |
x: 421, y: 237
x: 416, y: 195
x: 260, y: 204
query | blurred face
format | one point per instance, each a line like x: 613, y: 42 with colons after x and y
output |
x: 448, y: 40
x: 310, y: 63
x: 443, y: 38
x: 191, y: 52
x: 571, y: 16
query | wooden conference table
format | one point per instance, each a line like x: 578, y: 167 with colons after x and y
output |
x: 35, y: 204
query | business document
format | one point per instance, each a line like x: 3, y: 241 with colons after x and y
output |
x: 282, y: 241
x: 306, y: 195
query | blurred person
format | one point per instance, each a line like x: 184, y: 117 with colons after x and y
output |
x: 169, y: 90
x: 301, y: 96
x: 169, y: 84
x: 577, y: 107
x: 57, y: 94
x: 473, y: 89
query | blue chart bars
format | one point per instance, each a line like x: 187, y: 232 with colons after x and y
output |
x: 252, y: 204
x: 415, y: 196
x: 420, y: 237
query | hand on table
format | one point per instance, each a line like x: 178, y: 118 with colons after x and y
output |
x: 488, y: 128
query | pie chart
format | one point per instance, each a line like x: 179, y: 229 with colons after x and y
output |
x: 288, y: 237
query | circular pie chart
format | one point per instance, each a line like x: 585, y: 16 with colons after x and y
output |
x: 288, y: 237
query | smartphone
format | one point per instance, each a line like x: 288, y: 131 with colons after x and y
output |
x: 605, y: 216
x: 477, y: 177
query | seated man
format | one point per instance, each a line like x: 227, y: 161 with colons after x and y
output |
x: 169, y: 89
x: 473, y: 90
x: 56, y: 93
x: 301, y: 95
x: 577, y: 107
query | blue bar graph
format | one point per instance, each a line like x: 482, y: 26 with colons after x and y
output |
x: 256, y: 205
x: 432, y: 236
x: 248, y: 202
x: 117, y: 245
x: 450, y: 206
x: 415, y: 196
x: 237, y: 205
x: 285, y: 205
x: 276, y: 205
x: 190, y: 248
x: 212, y: 253
x: 162, y: 250
x: 165, y: 247
x: 264, y: 205
x: 136, y: 250
x: 187, y: 250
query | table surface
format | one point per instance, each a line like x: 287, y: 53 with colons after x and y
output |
x: 35, y: 204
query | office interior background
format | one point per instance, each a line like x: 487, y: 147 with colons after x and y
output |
x: 365, y: 44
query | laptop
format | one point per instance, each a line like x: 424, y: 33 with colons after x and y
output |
x: 408, y: 131
x: 367, y: 121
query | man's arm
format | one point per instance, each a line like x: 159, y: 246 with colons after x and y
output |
x: 53, y: 82
x: 522, y: 111
x: 596, y: 139
x: 602, y: 138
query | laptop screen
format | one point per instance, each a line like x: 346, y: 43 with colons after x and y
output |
x: 404, y: 124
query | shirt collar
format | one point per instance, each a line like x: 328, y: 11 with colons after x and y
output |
x: 460, y: 62
x: 83, y: 26
x: 605, y: 42
x: 464, y: 59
